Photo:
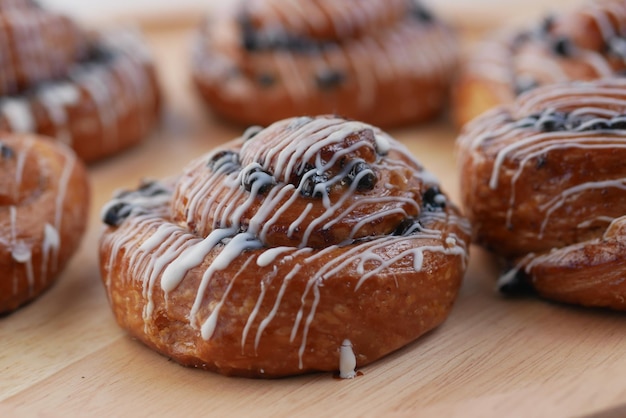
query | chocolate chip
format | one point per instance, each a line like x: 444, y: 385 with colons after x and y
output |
x: 433, y: 200
x: 328, y: 79
x: 618, y: 123
x: 311, y: 185
x: 251, y: 132
x: 115, y: 214
x: 563, y: 46
x: 408, y: 226
x: 514, y: 283
x: 361, y: 172
x: 226, y: 161
x: 249, y: 39
x: 6, y: 151
x: 422, y: 14
x: 266, y: 80
x: 553, y: 121
x: 256, y: 179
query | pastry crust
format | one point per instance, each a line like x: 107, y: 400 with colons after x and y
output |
x: 585, y: 44
x: 44, y: 201
x: 281, y: 250
x: 385, y: 62
x: 96, y: 92
x: 543, y: 182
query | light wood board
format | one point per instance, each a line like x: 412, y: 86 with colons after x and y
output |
x: 64, y: 354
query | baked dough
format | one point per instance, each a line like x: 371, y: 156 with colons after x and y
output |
x: 316, y: 244
x: 543, y: 182
x: 44, y: 202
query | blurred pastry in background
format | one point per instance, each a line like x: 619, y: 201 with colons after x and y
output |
x: 385, y: 62
x: 44, y: 203
x: 543, y: 182
x: 584, y: 44
x: 95, y: 91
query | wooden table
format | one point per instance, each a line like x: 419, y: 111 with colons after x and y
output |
x: 65, y: 355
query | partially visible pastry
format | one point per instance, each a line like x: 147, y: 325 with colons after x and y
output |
x: 584, y: 44
x: 315, y: 244
x: 44, y: 202
x: 94, y: 91
x: 543, y: 183
x: 383, y: 62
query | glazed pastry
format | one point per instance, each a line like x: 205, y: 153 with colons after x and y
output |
x: 316, y: 244
x: 44, y: 200
x: 544, y: 184
x: 585, y: 44
x: 96, y: 92
x: 384, y: 62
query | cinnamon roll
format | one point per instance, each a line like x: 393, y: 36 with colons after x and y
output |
x: 584, y: 44
x: 94, y: 91
x: 544, y: 185
x: 315, y: 244
x: 44, y: 199
x: 384, y: 62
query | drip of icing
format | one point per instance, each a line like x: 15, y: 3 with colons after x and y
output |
x: 51, y: 243
x: 347, y: 360
x: 18, y: 114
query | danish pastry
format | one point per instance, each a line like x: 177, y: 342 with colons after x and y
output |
x: 44, y: 199
x: 315, y: 244
x: 384, y: 62
x: 96, y: 92
x: 584, y: 44
x: 544, y: 185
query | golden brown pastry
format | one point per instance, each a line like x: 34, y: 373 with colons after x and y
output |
x: 384, y: 62
x: 584, y: 44
x: 96, y: 92
x: 544, y: 184
x: 44, y: 200
x: 316, y: 244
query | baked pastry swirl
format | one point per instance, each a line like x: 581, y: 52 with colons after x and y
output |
x: 384, y: 62
x: 95, y: 91
x: 44, y: 201
x: 316, y: 244
x: 544, y: 185
x: 584, y: 44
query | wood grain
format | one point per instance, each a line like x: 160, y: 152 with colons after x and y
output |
x: 64, y: 355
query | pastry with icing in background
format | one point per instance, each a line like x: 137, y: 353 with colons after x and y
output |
x: 315, y: 244
x: 44, y: 202
x: 543, y: 182
x: 385, y: 62
x: 94, y: 91
x: 584, y: 44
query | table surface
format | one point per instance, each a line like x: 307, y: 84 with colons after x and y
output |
x: 65, y: 355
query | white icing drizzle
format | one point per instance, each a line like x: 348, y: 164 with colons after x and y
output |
x: 347, y: 361
x: 161, y: 253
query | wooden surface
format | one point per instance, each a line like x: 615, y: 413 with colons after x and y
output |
x: 64, y: 354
